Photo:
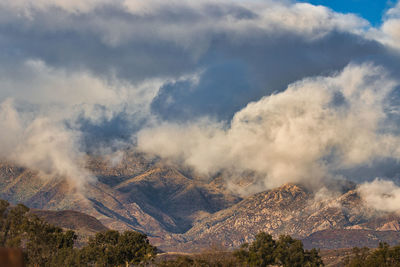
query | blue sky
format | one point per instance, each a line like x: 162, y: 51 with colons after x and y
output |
x: 372, y: 10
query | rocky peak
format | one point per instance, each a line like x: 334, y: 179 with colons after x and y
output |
x: 289, y: 190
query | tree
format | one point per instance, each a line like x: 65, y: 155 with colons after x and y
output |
x: 45, y: 242
x: 111, y: 248
x: 134, y: 247
x: 264, y: 251
x: 46, y: 245
x: 313, y: 259
x: 260, y: 252
x: 13, y: 223
x: 289, y: 252
x: 383, y: 256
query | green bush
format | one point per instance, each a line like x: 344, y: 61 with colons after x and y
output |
x: 111, y: 248
x: 286, y: 251
x: 46, y: 245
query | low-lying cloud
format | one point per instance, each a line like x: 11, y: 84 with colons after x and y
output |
x: 42, y: 127
x: 303, y: 134
x: 42, y: 145
x: 383, y: 195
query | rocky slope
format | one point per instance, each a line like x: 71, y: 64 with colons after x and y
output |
x: 336, y: 222
x: 181, y: 212
x: 133, y: 194
x: 348, y: 238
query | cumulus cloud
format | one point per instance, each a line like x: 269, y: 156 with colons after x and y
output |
x: 260, y: 43
x: 233, y: 16
x: 45, y: 123
x: 303, y: 134
x: 73, y: 6
x: 389, y: 32
x: 36, y: 83
x: 180, y: 33
x: 383, y: 195
x: 391, y: 26
x: 41, y: 145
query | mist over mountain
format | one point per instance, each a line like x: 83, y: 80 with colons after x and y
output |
x: 174, y: 117
x: 181, y: 213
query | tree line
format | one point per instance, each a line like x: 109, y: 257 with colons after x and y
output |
x: 263, y: 251
x: 45, y: 245
x: 383, y: 256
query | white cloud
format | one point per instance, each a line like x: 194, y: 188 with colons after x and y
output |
x: 41, y: 145
x: 39, y: 101
x: 389, y: 32
x: 316, y: 126
x: 189, y: 24
x: 382, y: 195
x: 391, y: 26
x: 62, y: 94
x: 25, y: 7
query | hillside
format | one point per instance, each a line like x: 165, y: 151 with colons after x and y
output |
x: 184, y: 213
x: 147, y: 197
x: 338, y: 222
x: 348, y: 238
x: 73, y: 220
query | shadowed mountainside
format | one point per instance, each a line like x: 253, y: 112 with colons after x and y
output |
x: 70, y: 219
x: 134, y: 194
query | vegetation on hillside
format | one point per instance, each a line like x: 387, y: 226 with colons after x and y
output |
x: 46, y: 245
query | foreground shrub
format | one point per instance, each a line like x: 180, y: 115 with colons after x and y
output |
x: 46, y: 245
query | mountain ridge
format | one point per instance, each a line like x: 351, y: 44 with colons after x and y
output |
x: 185, y: 213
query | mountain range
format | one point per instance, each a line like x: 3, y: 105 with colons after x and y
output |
x: 183, y: 212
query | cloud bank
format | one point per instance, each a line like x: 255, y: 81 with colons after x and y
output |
x: 41, y: 145
x: 284, y: 90
x: 383, y: 195
x: 303, y: 134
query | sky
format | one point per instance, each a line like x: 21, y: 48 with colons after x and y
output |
x: 371, y: 10
x: 284, y: 91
